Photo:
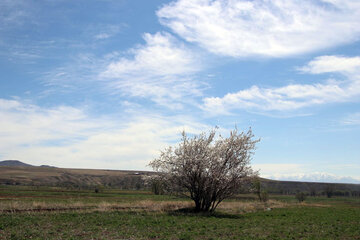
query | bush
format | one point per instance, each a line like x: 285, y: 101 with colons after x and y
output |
x: 329, y: 190
x: 206, y: 168
x: 264, y: 196
x: 157, y: 187
x: 259, y: 191
x: 300, y: 196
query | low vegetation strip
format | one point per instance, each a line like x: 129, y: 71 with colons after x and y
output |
x: 80, y: 179
x: 148, y: 205
x: 115, y: 214
x: 283, y: 223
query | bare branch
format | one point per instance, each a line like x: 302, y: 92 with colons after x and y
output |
x: 209, y: 170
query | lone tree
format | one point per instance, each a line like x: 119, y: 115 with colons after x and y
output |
x: 206, y: 168
x: 259, y: 191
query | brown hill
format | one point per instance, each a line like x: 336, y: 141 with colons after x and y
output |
x: 13, y: 163
x: 89, y: 178
x: 77, y: 178
x: 312, y: 188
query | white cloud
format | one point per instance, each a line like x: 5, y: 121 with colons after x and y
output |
x: 352, y: 119
x: 103, y: 36
x: 162, y: 55
x: 69, y: 137
x: 161, y: 70
x: 22, y: 123
x: 315, y: 177
x: 14, y: 13
x: 305, y: 173
x: 275, y: 28
x: 106, y: 31
x: 326, y: 64
x: 84, y: 68
x: 131, y: 146
x: 271, y: 168
x: 296, y: 96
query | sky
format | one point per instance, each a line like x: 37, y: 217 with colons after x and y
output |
x: 110, y: 83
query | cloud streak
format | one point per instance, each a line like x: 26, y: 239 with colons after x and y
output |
x: 13, y: 13
x: 66, y: 136
x: 304, y: 173
x: 315, y: 177
x: 351, y: 120
x: 327, y: 64
x: 276, y: 28
x: 296, y: 96
x: 162, y: 70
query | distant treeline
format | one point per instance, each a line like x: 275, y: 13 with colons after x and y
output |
x: 72, y: 178
x: 83, y: 182
x: 311, y: 188
x: 133, y: 180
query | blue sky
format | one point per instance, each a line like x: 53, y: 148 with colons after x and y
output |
x: 107, y: 84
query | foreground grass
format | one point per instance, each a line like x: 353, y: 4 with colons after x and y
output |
x: 291, y: 223
x: 141, y: 215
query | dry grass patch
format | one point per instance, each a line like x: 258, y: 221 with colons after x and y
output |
x: 146, y: 205
x: 165, y: 205
x: 245, y: 207
x: 20, y: 206
x: 305, y: 204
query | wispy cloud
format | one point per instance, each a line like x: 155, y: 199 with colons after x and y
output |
x: 70, y: 137
x: 23, y: 123
x: 162, y: 69
x: 81, y: 71
x: 162, y: 55
x: 263, y: 28
x: 315, y: 177
x: 300, y: 172
x: 266, y: 168
x: 296, y: 96
x: 351, y: 119
x: 107, y: 31
x: 103, y: 35
x: 326, y: 64
x: 14, y: 13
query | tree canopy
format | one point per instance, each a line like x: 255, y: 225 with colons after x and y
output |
x: 207, y: 168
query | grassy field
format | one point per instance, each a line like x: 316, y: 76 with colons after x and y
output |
x: 56, y: 213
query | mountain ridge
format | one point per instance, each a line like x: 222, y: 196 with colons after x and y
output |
x: 321, y: 177
x: 14, y: 163
x: 18, y: 163
x: 125, y: 179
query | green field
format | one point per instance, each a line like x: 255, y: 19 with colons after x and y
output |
x: 56, y: 213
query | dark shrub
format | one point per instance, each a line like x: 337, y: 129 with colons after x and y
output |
x: 300, y: 196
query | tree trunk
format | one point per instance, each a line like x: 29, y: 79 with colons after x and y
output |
x: 197, y: 205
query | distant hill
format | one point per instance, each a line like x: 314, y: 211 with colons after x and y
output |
x: 321, y: 177
x: 17, y: 163
x: 291, y: 187
x: 14, y: 172
x: 14, y: 163
x: 47, y: 166
x: 72, y: 178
